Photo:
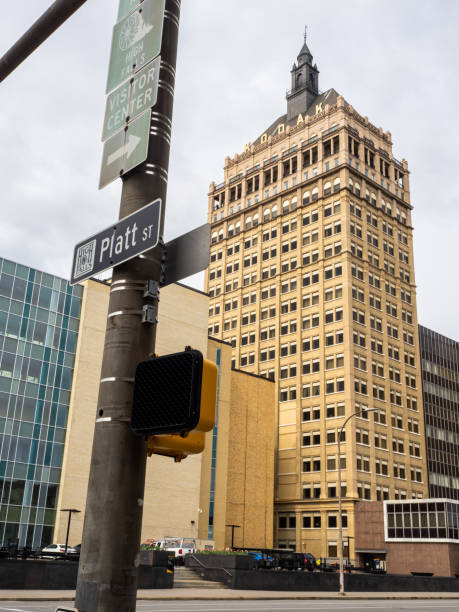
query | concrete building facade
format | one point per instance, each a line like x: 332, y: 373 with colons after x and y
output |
x: 171, y: 498
x: 440, y: 384
x: 237, y: 476
x: 311, y: 280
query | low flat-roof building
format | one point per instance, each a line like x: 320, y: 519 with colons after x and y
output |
x: 409, y: 536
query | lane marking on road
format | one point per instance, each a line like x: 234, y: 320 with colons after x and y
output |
x: 385, y: 605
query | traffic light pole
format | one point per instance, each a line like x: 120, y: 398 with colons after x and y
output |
x: 107, y: 576
x: 45, y: 25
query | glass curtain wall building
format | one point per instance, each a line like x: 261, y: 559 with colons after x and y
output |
x: 39, y: 318
x: 440, y: 385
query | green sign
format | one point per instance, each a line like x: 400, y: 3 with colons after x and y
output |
x: 126, y: 7
x: 136, y: 41
x: 125, y: 150
x: 131, y: 99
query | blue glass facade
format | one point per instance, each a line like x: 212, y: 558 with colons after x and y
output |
x: 39, y: 318
x: 213, y: 467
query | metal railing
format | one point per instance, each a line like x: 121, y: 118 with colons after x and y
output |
x: 207, y: 567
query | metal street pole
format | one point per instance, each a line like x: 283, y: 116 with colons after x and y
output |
x: 232, y: 532
x: 107, y: 577
x: 45, y: 25
x: 349, y: 538
x: 340, y: 516
x: 69, y: 510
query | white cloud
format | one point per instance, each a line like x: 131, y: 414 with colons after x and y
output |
x: 394, y: 62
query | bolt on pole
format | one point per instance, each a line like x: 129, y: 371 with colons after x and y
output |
x: 107, y: 577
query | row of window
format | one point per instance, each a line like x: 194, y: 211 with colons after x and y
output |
x: 311, y: 520
x: 290, y: 167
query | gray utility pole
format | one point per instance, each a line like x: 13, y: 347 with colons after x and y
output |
x: 45, y: 25
x: 107, y: 577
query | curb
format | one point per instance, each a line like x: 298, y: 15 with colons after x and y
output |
x: 190, y: 597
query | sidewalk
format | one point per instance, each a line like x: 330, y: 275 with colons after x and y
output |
x: 184, y: 594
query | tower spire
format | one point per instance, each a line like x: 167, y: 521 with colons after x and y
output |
x: 305, y: 81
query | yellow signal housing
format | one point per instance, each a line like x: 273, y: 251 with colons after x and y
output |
x: 176, y: 446
x: 208, y: 396
x: 203, y: 381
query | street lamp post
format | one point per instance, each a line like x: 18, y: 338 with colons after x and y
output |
x: 233, y: 527
x: 70, y: 511
x: 340, y: 516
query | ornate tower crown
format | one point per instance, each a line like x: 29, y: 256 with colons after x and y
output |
x: 305, y: 83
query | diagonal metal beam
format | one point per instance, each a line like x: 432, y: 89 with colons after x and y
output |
x: 45, y: 25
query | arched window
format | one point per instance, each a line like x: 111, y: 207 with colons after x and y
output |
x: 285, y: 206
x: 336, y: 184
x: 220, y: 235
x: 357, y: 188
x: 373, y: 198
x: 214, y: 237
x: 238, y: 227
x: 266, y: 214
x: 275, y: 211
x: 306, y: 197
x: 389, y: 208
x: 315, y: 194
x: 351, y: 184
x: 294, y: 203
x: 248, y: 222
x: 327, y: 188
x: 231, y: 230
x: 367, y: 195
x: 255, y: 220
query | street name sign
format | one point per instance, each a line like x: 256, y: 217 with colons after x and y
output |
x: 120, y: 242
x: 126, y: 6
x: 136, y: 41
x: 131, y: 99
x: 186, y: 255
x: 125, y: 150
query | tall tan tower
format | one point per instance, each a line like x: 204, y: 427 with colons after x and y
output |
x: 311, y: 279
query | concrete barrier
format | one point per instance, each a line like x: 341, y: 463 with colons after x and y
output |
x: 37, y: 574
x: 53, y: 574
x: 270, y: 580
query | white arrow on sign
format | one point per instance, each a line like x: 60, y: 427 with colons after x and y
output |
x: 131, y: 145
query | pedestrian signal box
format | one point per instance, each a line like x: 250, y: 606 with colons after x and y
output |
x: 177, y: 446
x: 174, y: 394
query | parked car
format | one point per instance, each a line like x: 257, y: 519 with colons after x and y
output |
x: 290, y: 560
x: 262, y: 560
x: 309, y: 562
x: 57, y: 550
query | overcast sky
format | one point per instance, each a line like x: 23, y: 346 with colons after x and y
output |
x: 395, y: 62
